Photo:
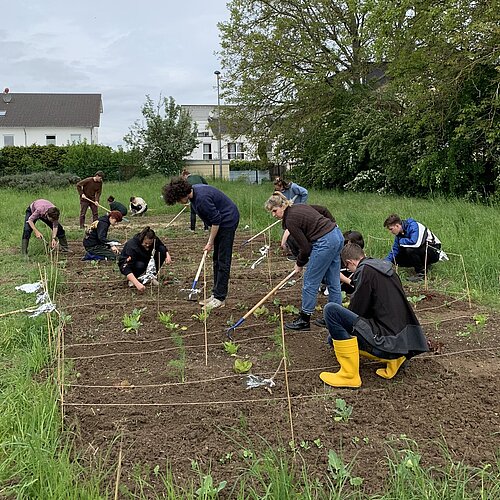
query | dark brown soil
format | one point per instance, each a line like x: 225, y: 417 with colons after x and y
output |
x: 125, y: 388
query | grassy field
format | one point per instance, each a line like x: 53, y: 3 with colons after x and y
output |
x: 36, y: 458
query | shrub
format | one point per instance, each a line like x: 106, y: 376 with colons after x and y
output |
x: 38, y: 180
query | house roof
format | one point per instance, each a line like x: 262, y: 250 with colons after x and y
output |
x: 50, y: 110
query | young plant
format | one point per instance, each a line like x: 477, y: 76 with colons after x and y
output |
x: 202, y: 316
x: 273, y: 318
x: 131, y: 322
x: 415, y: 299
x: 291, y: 309
x: 261, y: 311
x: 167, y: 320
x: 339, y: 471
x: 242, y: 365
x: 231, y: 348
x: 342, y: 411
x: 179, y: 365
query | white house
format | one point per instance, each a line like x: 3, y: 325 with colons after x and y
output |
x: 205, y: 157
x: 42, y: 119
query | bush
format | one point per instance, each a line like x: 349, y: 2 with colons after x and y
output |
x: 38, y: 180
x: 239, y: 165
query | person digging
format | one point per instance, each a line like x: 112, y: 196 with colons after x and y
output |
x: 45, y: 211
x: 379, y: 324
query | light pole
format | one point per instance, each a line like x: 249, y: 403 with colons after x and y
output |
x: 217, y: 74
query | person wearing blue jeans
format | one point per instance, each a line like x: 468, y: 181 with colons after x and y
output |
x: 319, y: 241
x: 222, y: 216
x: 380, y: 323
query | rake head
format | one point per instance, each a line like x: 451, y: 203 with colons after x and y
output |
x: 191, y: 293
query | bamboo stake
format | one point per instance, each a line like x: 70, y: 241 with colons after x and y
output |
x: 286, y: 379
x: 205, y: 309
x: 118, y: 469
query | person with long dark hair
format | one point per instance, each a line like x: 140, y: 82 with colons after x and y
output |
x: 96, y: 240
x: 142, y: 249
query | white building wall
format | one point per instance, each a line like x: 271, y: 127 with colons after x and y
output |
x: 38, y: 136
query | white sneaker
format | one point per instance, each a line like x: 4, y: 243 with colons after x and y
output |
x: 205, y: 301
x: 214, y: 303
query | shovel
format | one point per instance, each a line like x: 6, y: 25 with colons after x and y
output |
x: 281, y: 284
x: 193, y: 291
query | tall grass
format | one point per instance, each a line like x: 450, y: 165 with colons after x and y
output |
x: 36, y: 455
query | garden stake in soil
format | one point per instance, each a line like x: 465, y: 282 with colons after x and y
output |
x: 193, y: 291
x: 261, y: 301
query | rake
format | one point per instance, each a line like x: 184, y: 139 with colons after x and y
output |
x: 193, y: 291
x: 281, y: 284
x: 100, y: 206
x: 258, y: 234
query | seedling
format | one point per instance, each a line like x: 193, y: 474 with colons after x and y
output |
x: 202, y: 316
x: 479, y: 323
x: 415, y: 299
x: 277, y: 302
x: 207, y: 488
x: 131, y: 322
x: 241, y: 306
x: 342, y: 411
x: 226, y: 458
x: 167, y: 320
x: 231, y: 348
x: 247, y: 454
x: 340, y: 471
x: 318, y: 443
x: 230, y: 321
x: 179, y: 365
x: 291, y: 309
x: 305, y: 445
x: 242, y: 365
x: 261, y: 311
x: 273, y: 318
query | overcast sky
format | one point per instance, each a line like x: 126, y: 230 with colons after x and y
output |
x: 123, y: 50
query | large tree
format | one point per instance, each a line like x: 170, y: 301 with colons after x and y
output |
x: 164, y: 137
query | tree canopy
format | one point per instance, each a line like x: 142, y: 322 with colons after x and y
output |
x: 405, y: 91
x: 164, y: 137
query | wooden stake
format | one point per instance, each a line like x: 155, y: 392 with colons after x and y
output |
x: 286, y: 379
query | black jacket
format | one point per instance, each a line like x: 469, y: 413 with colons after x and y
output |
x: 98, y: 235
x: 138, y: 253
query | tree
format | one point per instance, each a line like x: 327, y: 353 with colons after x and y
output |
x: 165, y: 137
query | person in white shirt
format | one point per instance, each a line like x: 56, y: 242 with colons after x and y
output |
x: 137, y: 206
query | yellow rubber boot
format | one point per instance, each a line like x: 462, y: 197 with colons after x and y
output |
x: 391, y: 368
x: 369, y: 355
x: 347, y: 354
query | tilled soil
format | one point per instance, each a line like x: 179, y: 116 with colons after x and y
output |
x: 173, y: 397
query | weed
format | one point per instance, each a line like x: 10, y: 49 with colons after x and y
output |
x: 179, y: 365
x: 231, y: 348
x: 131, y: 322
x: 342, y: 411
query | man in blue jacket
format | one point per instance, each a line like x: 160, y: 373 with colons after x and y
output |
x: 414, y: 245
x: 220, y: 213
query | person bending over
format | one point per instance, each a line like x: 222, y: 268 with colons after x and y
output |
x: 220, y: 213
x: 319, y: 240
x: 89, y: 190
x: 96, y: 241
x: 414, y: 245
x: 137, y: 254
x: 116, y: 205
x: 194, y: 179
x: 45, y: 211
x: 137, y: 206
x: 379, y: 324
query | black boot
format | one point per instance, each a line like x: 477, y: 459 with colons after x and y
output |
x: 24, y: 246
x: 320, y: 322
x: 303, y: 322
x: 63, y: 244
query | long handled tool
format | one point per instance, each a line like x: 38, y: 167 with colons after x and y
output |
x: 100, y: 206
x: 261, y: 301
x: 184, y: 208
x: 193, y: 291
x: 258, y: 234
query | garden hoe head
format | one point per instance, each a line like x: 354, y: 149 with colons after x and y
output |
x: 193, y: 291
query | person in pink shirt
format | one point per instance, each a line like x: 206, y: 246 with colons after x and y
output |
x: 45, y: 211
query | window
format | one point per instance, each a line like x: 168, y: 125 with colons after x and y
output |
x: 50, y: 139
x: 235, y: 151
x: 8, y: 140
x: 75, y: 138
x: 203, y: 133
x: 207, y: 151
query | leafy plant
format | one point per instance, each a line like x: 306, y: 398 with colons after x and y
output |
x: 273, y: 318
x: 230, y: 321
x: 179, y: 364
x: 131, y: 322
x: 342, y: 411
x: 231, y: 348
x: 291, y: 309
x: 415, y: 299
x: 277, y: 302
x: 202, y: 316
x: 207, y: 488
x: 167, y: 320
x: 305, y: 445
x: 261, y: 311
x: 340, y: 471
x: 242, y: 365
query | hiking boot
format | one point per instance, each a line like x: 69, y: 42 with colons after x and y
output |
x: 303, y: 322
x: 320, y: 322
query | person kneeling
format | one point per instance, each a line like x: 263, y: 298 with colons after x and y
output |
x: 142, y: 257
x: 380, y: 323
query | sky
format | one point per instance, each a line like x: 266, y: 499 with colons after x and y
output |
x: 123, y: 50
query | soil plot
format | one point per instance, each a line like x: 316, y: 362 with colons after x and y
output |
x: 170, y: 393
